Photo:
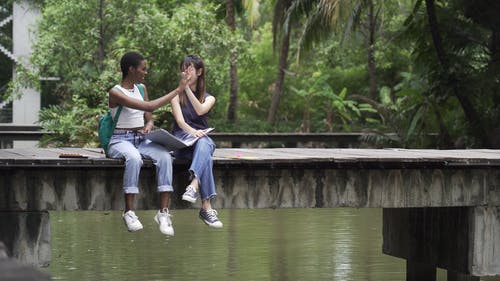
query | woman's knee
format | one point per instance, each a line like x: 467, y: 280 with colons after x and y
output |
x: 206, y: 143
x: 134, y: 159
x: 164, y: 158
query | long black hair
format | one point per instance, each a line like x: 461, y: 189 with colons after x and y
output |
x: 130, y: 59
x: 197, y: 63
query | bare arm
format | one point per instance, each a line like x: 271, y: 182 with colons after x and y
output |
x: 148, y: 116
x: 149, y: 122
x: 116, y: 97
x: 200, y: 108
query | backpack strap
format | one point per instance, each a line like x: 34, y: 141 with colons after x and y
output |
x: 141, y: 89
x: 117, y: 115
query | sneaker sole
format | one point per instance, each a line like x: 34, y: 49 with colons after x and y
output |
x: 189, y: 199
x: 132, y: 230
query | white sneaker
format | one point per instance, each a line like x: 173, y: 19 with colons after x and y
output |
x: 164, y: 222
x: 131, y: 221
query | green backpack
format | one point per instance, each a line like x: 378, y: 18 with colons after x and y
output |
x: 107, y: 124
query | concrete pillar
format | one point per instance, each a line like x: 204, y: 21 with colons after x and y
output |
x: 12, y: 270
x: 26, y: 236
x: 461, y: 240
x: 25, y: 108
x: 416, y: 271
x: 457, y: 276
x: 485, y: 241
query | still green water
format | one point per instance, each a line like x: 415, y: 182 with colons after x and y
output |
x: 259, y: 244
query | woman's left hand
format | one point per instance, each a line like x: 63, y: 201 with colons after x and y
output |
x: 147, y: 129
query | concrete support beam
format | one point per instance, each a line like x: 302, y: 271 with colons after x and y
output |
x: 26, y: 236
x: 100, y: 188
x: 460, y: 239
x: 457, y: 276
x: 438, y: 237
x: 416, y: 271
x: 485, y: 240
x: 12, y: 270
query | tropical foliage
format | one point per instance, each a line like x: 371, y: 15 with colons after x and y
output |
x: 426, y: 70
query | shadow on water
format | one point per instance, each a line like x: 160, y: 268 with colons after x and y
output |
x: 255, y: 244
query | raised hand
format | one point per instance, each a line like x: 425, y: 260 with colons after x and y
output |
x: 185, y: 77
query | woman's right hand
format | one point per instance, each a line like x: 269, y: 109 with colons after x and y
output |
x: 199, y: 133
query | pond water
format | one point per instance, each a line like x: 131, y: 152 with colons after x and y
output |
x: 255, y: 244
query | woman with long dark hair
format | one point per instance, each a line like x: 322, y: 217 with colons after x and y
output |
x: 190, y: 109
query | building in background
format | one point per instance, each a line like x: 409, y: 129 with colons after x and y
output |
x: 25, y: 108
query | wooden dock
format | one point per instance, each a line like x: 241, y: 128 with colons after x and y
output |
x: 389, y: 158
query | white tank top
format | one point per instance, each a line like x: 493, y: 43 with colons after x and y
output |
x: 129, y: 117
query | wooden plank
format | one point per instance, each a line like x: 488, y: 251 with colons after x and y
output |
x: 402, y: 158
x: 280, y: 153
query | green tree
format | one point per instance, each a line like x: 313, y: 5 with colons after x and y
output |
x: 87, y: 59
x: 456, y: 56
x: 281, y: 33
x: 257, y: 64
x: 253, y: 7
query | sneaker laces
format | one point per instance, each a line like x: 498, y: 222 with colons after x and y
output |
x: 191, y: 190
x: 212, y: 215
x: 166, y: 214
x: 132, y: 215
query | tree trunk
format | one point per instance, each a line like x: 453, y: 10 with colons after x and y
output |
x: 102, y: 52
x: 470, y: 112
x: 306, y: 118
x: 494, y: 64
x: 444, y: 141
x: 280, y: 79
x: 329, y: 119
x: 371, y: 50
x: 233, y: 89
x: 233, y: 71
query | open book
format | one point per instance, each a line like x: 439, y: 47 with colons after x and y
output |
x: 170, y: 141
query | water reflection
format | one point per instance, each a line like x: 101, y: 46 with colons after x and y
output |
x: 262, y: 244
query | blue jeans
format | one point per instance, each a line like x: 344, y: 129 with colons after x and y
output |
x: 200, y: 155
x: 132, y: 146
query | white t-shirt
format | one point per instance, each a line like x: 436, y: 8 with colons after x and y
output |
x: 129, y: 117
